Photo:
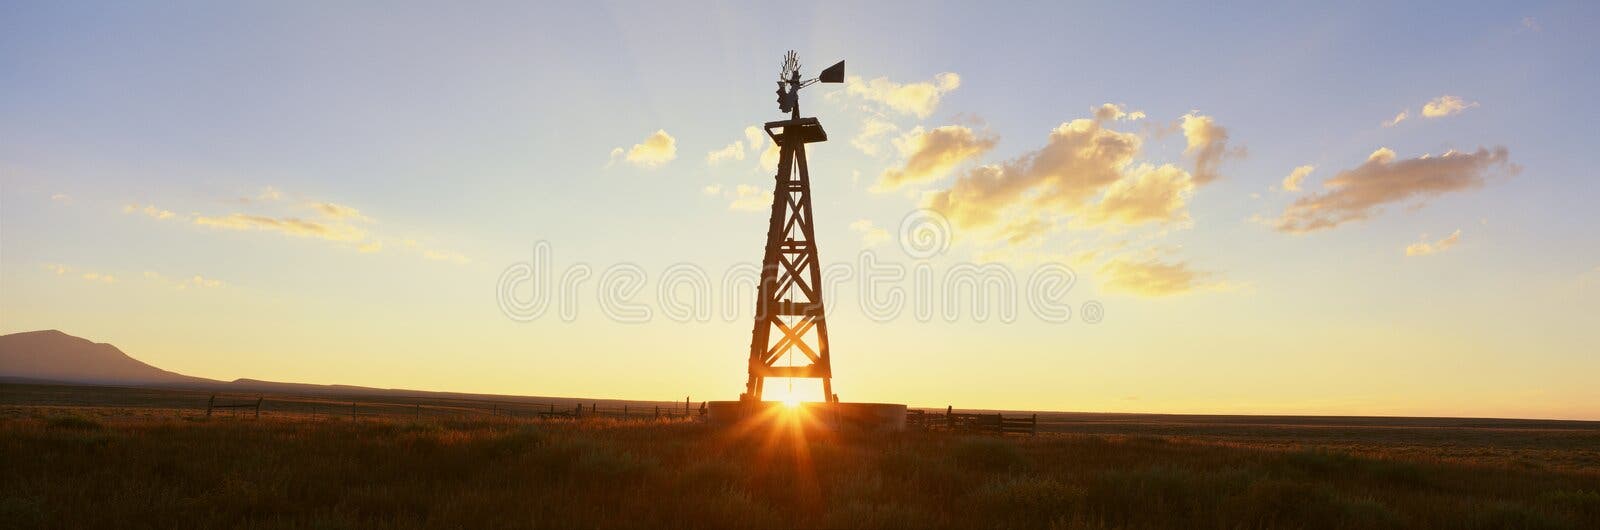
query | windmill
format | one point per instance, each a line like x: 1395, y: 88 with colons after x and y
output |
x: 790, y: 318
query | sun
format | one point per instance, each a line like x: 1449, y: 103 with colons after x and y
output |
x: 791, y: 402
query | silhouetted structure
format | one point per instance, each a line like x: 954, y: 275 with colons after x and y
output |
x: 789, y: 298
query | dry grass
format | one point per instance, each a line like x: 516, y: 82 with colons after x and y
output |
x: 64, y: 469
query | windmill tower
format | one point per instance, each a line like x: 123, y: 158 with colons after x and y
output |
x: 790, y: 338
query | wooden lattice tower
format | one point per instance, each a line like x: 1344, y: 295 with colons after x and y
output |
x: 790, y: 318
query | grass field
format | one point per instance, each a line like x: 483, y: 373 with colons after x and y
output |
x: 151, y: 467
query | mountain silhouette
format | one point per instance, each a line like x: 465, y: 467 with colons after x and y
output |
x: 51, y: 355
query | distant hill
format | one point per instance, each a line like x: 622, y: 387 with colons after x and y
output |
x: 51, y: 355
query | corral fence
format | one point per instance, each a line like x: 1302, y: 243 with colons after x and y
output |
x: 971, y: 423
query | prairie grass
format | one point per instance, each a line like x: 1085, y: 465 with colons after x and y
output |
x: 65, y: 470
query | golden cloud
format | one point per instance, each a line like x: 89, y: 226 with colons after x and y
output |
x: 1425, y: 248
x: 1114, y: 112
x: 291, y: 226
x: 733, y: 151
x: 97, y: 277
x: 871, y: 235
x: 1359, y: 193
x: 1146, y: 194
x: 932, y: 154
x: 754, y: 137
x: 1446, y: 105
x: 1082, y: 160
x: 769, y: 158
x: 656, y: 150
x: 339, y: 211
x: 1397, y: 119
x: 149, y: 210
x: 919, y: 99
x: 1292, y: 182
x: 873, y: 130
x: 1208, y: 142
x: 1154, y: 278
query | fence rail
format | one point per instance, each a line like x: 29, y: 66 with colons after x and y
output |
x: 967, y: 422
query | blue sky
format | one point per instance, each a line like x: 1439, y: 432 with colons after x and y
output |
x: 464, y: 135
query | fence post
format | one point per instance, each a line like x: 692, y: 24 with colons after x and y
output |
x: 352, y: 410
x: 209, y: 403
x: 258, y: 405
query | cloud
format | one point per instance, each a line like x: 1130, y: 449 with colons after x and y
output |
x: 873, y: 130
x: 56, y: 268
x: 1424, y: 248
x: 369, y: 248
x: 656, y: 150
x: 1530, y: 24
x: 1080, y: 159
x: 196, y: 281
x: 1443, y: 106
x: 769, y: 158
x: 1153, y: 277
x: 1397, y: 119
x: 61, y: 197
x: 339, y: 212
x: 1292, y: 182
x: 733, y: 151
x: 1022, y: 231
x: 432, y: 254
x: 269, y: 193
x: 870, y: 235
x: 149, y: 210
x: 97, y: 277
x: 919, y: 99
x: 1114, y: 112
x: 932, y: 154
x: 1146, y: 194
x: 1359, y: 193
x: 201, y: 281
x: 754, y: 137
x: 291, y: 226
x: 1208, y: 142
x: 750, y: 198
x: 711, y: 189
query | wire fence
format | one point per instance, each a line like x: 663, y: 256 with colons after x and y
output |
x: 142, y: 401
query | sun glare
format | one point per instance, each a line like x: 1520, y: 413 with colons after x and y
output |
x: 791, y: 402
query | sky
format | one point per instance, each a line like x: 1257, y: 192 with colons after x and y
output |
x: 1354, y: 209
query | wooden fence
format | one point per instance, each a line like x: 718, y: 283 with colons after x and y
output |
x: 255, y: 406
x: 968, y: 423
